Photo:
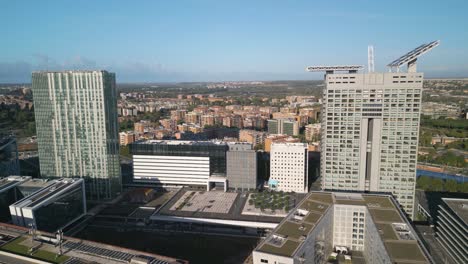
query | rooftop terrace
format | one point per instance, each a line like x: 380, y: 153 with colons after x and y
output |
x: 395, y: 231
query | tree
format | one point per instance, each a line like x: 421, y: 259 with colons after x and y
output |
x: 437, y: 185
x: 125, y: 151
x: 259, y: 147
x: 424, y: 183
x: 463, y: 187
x: 451, y: 186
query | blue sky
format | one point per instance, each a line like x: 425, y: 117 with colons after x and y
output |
x: 176, y: 40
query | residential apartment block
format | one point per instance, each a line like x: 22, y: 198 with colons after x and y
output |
x: 284, y: 126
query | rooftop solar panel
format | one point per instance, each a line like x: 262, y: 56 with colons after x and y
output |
x: 415, y: 53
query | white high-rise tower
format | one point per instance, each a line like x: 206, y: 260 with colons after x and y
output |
x: 370, y: 128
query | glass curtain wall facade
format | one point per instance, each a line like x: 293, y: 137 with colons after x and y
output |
x: 7, y: 198
x: 77, y: 128
x: 216, y: 152
x: 61, y: 210
x: 9, y: 163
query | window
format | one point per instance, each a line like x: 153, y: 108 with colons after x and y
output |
x: 263, y: 260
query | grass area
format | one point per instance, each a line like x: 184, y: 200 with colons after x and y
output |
x: 15, y: 247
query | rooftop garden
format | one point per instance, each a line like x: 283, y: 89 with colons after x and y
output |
x: 271, y: 200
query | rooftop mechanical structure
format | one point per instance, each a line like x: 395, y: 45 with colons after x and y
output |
x: 411, y: 57
x: 332, y: 69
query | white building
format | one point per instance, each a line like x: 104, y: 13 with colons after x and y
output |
x: 370, y: 128
x: 343, y: 228
x: 180, y: 163
x: 289, y: 167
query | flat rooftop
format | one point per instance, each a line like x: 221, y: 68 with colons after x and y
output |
x: 36, y: 183
x: 75, y: 250
x: 459, y: 207
x: 232, y: 211
x: 289, y: 236
x: 45, y: 193
x: 180, y: 142
x: 10, y: 181
x: 71, y: 71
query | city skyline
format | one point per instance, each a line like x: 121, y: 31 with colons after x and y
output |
x: 176, y: 132
x: 208, y: 41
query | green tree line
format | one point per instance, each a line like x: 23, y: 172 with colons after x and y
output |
x: 13, y: 118
x: 427, y: 183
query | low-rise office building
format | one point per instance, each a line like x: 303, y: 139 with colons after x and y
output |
x: 343, y: 228
x: 15, y: 188
x: 452, y: 228
x: 195, y: 163
x: 9, y: 194
x: 179, y: 163
x: 51, y: 208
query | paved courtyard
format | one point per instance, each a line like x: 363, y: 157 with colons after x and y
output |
x: 201, y: 201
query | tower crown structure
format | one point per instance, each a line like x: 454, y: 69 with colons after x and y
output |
x: 411, y: 57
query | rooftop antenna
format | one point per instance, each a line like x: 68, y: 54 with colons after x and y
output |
x: 411, y: 57
x: 370, y: 58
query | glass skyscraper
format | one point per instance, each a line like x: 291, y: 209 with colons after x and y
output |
x: 77, y: 128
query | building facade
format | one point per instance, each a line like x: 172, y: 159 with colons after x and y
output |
x: 452, y: 228
x: 289, y: 167
x: 126, y: 138
x: 182, y: 163
x: 312, y: 132
x: 241, y: 166
x: 9, y: 162
x: 9, y: 194
x: 283, y: 126
x: 77, y: 128
x: 370, y: 130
